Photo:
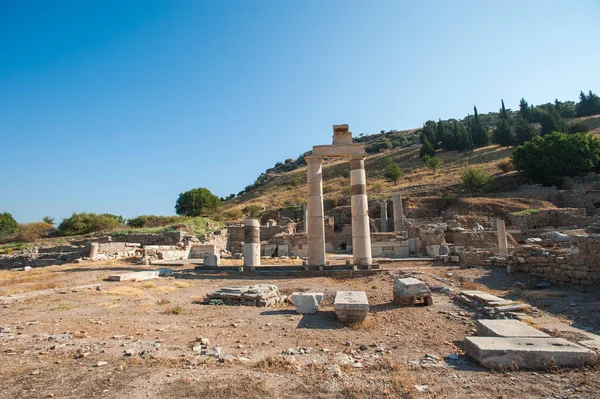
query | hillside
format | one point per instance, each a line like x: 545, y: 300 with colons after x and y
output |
x: 287, y: 188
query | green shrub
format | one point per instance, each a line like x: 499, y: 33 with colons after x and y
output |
x: 85, y: 223
x: 253, y: 210
x: 393, y: 172
x: 8, y: 225
x: 475, y: 178
x: 146, y: 221
x: 548, y: 159
x: 433, y: 163
x: 379, y: 145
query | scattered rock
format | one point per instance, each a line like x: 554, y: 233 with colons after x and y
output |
x: 101, y: 363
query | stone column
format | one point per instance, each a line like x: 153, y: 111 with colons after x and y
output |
x: 315, y: 227
x: 94, y: 250
x: 384, y: 217
x: 502, y: 242
x: 361, y: 235
x: 305, y: 209
x: 251, y: 243
x: 398, y: 213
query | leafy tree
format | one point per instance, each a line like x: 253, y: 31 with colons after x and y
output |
x: 503, y: 111
x: 31, y: 232
x: 196, y: 202
x: 85, y: 223
x: 379, y: 145
x: 433, y: 163
x: 253, y: 210
x: 547, y: 159
x: 475, y: 178
x: 429, y: 133
x: 535, y: 116
x: 524, y: 110
x: 444, y: 135
x: 8, y: 225
x: 524, y: 131
x: 588, y: 105
x: 461, y: 137
x: 478, y: 131
x: 552, y: 122
x: 48, y: 219
x: 426, y: 149
x: 393, y: 172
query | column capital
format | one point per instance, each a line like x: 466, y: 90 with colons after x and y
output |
x: 313, y: 159
x: 356, y: 157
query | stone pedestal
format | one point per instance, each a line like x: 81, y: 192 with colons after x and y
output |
x: 211, y: 260
x: 361, y: 235
x: 307, y: 302
x: 398, y: 213
x: 384, y: 217
x: 251, y: 243
x: 315, y: 227
x: 94, y: 250
x: 502, y: 242
x: 351, y: 306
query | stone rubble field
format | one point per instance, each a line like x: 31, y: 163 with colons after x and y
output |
x: 67, y: 332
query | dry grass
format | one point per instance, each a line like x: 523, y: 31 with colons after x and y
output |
x: 166, y: 289
x: 148, y: 285
x: 183, y: 284
x: 63, y: 306
x: 370, y: 323
x: 218, y: 388
x: 125, y: 290
x: 275, y: 364
x: 473, y: 286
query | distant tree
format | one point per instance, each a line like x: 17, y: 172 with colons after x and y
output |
x: 536, y: 114
x: 31, y: 232
x: 552, y: 122
x: 504, y: 135
x: 475, y: 178
x: 578, y: 127
x: 429, y: 132
x: 393, y: 172
x: 588, y: 104
x: 524, y: 110
x: 503, y: 111
x: 524, y: 131
x: 85, y: 223
x: 379, y: 145
x: 426, y: 149
x: 433, y: 163
x: 48, y: 219
x: 253, y: 210
x: 547, y: 159
x: 8, y: 225
x: 462, y: 138
x: 478, y: 131
x: 196, y: 202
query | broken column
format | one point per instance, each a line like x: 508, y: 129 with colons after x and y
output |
x: 398, y: 213
x: 502, y: 242
x: 315, y: 227
x: 384, y: 217
x: 251, y: 243
x: 361, y: 235
x: 94, y: 250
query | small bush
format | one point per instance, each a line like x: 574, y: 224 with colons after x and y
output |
x: 233, y: 214
x: 176, y: 310
x: 475, y: 178
x: 145, y: 221
x: 85, y: 223
x: 506, y: 165
x: 31, y: 232
x: 253, y: 210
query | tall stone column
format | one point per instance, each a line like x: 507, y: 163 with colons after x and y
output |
x: 384, y: 217
x: 315, y: 225
x: 361, y: 235
x: 398, y: 213
x: 502, y: 241
x: 251, y: 243
x: 305, y: 209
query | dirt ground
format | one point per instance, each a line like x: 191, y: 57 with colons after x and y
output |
x: 134, y: 340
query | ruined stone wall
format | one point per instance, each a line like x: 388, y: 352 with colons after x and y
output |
x: 168, y: 238
x: 552, y: 218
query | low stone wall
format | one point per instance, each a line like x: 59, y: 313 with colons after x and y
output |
x: 556, y: 218
x: 169, y: 238
x: 578, y: 264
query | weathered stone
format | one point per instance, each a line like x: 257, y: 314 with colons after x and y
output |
x: 527, y: 353
x: 351, y: 306
x: 211, y: 260
x: 134, y: 276
x: 559, y: 237
x: 507, y: 329
x: 306, y: 302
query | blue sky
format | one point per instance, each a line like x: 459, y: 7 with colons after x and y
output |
x: 118, y: 106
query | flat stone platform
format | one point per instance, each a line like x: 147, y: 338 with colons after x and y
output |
x: 507, y: 329
x: 351, y: 306
x: 527, y: 353
x: 135, y: 276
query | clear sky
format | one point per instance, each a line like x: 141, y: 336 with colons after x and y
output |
x: 118, y: 106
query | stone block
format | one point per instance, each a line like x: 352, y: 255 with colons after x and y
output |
x: 409, y: 291
x: 559, y: 237
x: 526, y: 353
x: 507, y: 329
x: 306, y: 302
x: 211, y: 260
x: 134, y: 276
x: 351, y: 306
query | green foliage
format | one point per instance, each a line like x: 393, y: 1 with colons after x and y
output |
x: 552, y: 122
x: 524, y: 131
x: 427, y: 149
x: 379, y: 145
x: 588, y: 104
x: 31, y: 232
x: 461, y: 137
x: 578, y: 127
x: 524, y: 110
x: 149, y: 221
x: 429, y: 133
x: 548, y: 159
x: 393, y: 172
x: 478, y: 131
x: 433, y: 163
x: 253, y: 210
x: 526, y: 212
x: 8, y: 225
x: 85, y: 223
x: 504, y: 135
x: 475, y: 178
x: 196, y: 202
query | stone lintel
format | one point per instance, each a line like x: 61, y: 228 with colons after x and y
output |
x: 339, y: 150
